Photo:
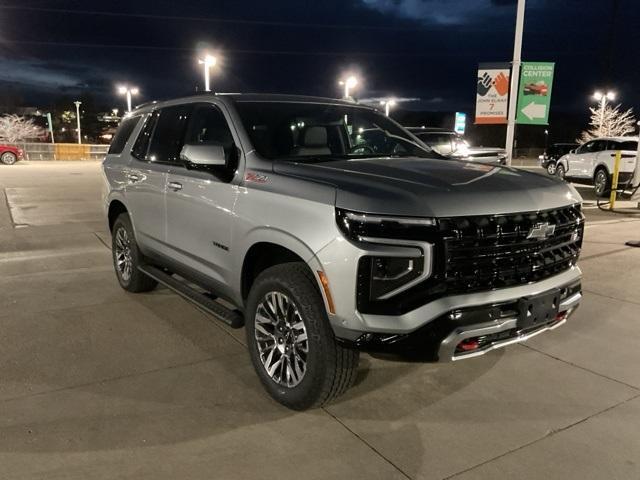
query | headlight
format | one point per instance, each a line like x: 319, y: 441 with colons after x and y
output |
x: 358, y: 226
x: 383, y: 272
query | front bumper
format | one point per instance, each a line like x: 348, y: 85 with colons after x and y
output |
x: 470, y: 332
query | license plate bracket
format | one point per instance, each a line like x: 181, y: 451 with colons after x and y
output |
x: 538, y: 310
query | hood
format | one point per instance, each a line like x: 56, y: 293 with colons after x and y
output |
x: 433, y: 187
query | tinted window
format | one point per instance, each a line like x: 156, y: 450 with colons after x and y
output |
x: 141, y: 146
x: 628, y: 145
x: 599, y: 146
x: 122, y: 135
x: 209, y: 127
x: 168, y: 136
x: 587, y: 147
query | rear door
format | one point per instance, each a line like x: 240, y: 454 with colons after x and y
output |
x: 200, y: 202
x: 144, y: 189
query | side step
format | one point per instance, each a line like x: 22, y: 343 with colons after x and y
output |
x: 233, y: 318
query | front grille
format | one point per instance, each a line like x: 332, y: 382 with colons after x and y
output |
x: 489, y: 252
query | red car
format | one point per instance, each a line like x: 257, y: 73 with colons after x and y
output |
x: 10, y: 155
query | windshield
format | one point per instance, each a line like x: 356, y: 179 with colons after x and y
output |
x: 316, y: 132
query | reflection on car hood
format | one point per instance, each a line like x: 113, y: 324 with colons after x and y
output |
x: 433, y: 187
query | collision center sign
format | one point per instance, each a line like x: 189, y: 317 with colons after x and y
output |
x: 492, y: 93
x: 534, y: 93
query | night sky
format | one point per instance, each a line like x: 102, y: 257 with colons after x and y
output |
x: 427, y: 49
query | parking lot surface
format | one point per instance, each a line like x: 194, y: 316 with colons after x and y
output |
x: 99, y: 383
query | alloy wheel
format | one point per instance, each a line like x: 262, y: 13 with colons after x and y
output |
x: 600, y: 182
x: 551, y: 168
x: 124, y: 262
x: 281, y: 338
x: 8, y: 158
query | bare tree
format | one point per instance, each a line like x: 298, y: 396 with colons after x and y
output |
x: 608, y: 121
x: 14, y: 129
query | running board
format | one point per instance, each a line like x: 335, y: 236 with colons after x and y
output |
x: 233, y: 318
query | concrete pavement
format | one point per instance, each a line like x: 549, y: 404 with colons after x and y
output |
x: 99, y: 383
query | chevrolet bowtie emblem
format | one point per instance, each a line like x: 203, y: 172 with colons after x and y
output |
x: 541, y: 230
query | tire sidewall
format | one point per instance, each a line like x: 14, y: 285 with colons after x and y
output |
x: 123, y: 222
x: 560, y: 171
x: 606, y: 183
x: 551, y: 168
x: 10, y: 155
x: 319, y: 334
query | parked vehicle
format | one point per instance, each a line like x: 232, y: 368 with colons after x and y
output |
x: 453, y: 145
x: 322, y: 244
x: 10, y: 154
x: 593, y: 163
x: 552, y: 154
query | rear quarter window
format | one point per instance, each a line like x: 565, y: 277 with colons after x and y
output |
x: 122, y: 135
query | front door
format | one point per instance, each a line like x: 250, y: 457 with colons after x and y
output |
x: 200, y: 202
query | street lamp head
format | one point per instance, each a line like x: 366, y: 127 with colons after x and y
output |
x: 208, y: 61
x: 611, y: 96
x: 122, y: 89
x: 134, y: 91
x: 597, y: 96
x: 351, y: 81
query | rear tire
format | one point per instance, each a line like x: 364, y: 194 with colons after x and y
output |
x: 127, y: 257
x: 551, y: 168
x: 602, y: 183
x: 291, y: 343
x: 8, y: 158
x: 560, y: 171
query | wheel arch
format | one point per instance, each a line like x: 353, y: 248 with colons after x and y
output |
x: 116, y: 208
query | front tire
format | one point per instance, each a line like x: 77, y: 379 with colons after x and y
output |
x: 560, y: 171
x: 602, y: 183
x: 291, y: 343
x: 127, y: 257
x: 8, y: 158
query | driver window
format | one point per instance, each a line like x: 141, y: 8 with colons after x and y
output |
x: 209, y: 127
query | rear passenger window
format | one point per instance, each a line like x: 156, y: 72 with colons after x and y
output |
x: 168, y: 136
x: 122, y: 135
x: 141, y: 146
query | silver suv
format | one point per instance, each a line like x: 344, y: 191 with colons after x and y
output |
x: 274, y: 213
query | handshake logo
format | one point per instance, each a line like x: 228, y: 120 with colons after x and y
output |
x: 500, y: 83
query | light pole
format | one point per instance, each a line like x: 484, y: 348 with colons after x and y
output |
x: 128, y: 91
x: 390, y: 102
x: 78, y: 103
x: 602, y: 98
x: 208, y: 61
x: 515, y: 74
x: 349, y: 83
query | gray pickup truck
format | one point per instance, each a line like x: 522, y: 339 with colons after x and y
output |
x: 273, y: 213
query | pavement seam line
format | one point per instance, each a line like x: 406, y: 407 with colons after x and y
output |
x: 598, y: 255
x: 581, y: 367
x: 371, y: 447
x: 6, y: 201
x: 610, y: 297
x: 102, y: 241
x: 112, y: 379
x: 549, y: 434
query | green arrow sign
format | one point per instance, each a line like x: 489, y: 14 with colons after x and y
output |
x: 534, y: 93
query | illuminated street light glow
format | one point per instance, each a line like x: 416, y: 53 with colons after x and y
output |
x: 602, y: 98
x: 390, y: 102
x: 128, y: 91
x: 208, y: 62
x: 349, y: 83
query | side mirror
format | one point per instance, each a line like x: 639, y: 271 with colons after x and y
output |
x: 204, y: 155
x: 573, y: 150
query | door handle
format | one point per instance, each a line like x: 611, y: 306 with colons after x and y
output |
x: 175, y: 186
x: 134, y: 177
